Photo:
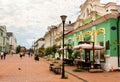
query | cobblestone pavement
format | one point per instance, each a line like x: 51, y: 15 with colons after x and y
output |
x: 86, y: 76
x: 14, y: 69
x: 96, y: 77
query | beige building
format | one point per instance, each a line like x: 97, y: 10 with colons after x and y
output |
x: 39, y: 44
x: 50, y: 36
x: 58, y: 35
x: 92, y: 10
x: 55, y: 33
x: 12, y: 42
x: 4, y: 45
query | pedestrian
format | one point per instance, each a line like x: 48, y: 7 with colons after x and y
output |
x: 4, y: 54
x: 21, y: 55
x: 29, y: 54
x: 36, y: 57
x: 1, y: 54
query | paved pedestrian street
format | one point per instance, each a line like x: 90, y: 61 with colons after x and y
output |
x: 15, y: 69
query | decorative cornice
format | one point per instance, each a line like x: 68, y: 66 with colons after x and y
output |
x: 100, y: 20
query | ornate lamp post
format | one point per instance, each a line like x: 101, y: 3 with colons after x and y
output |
x: 63, y: 17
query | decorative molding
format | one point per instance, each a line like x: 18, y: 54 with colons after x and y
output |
x: 101, y: 30
x: 87, y: 33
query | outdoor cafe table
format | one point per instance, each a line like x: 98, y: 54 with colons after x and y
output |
x: 69, y: 61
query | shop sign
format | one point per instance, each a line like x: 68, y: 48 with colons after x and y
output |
x: 113, y: 28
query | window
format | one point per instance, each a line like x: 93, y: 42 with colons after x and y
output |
x: 107, y: 45
x: 1, y: 33
x: 102, y: 52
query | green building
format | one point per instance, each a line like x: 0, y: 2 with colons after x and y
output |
x: 4, y: 42
x: 98, y: 24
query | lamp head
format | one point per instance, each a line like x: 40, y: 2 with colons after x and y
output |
x: 63, y: 17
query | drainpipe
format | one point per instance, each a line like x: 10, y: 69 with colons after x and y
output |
x: 118, y: 43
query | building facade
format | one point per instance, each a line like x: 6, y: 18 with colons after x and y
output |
x: 39, y: 44
x: 98, y: 24
x: 12, y: 42
x: 4, y: 45
x: 50, y: 36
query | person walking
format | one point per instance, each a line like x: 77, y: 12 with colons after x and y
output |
x: 29, y: 54
x: 21, y: 55
x: 36, y: 57
x: 1, y: 54
x: 4, y: 54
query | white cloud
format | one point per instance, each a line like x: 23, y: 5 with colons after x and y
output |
x: 30, y: 18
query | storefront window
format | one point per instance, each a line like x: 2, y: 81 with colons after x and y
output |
x: 102, y: 53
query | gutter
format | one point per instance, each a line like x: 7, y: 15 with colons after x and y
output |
x: 118, y: 43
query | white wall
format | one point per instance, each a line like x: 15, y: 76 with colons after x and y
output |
x: 110, y: 62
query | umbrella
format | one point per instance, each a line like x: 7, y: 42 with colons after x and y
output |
x: 88, y: 46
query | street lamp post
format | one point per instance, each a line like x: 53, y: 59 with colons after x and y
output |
x: 34, y: 45
x: 63, y: 17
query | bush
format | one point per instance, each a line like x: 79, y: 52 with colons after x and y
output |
x: 77, y: 70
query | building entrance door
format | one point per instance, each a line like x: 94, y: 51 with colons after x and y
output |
x: 87, y: 55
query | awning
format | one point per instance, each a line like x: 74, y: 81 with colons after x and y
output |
x: 88, y: 46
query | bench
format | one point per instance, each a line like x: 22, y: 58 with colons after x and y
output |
x: 55, y: 69
x: 69, y: 62
x: 50, y: 67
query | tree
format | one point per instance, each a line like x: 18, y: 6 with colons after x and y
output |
x: 18, y: 48
x: 76, y: 54
x: 41, y: 51
x: 48, y: 51
x: 69, y: 50
x: 59, y: 52
x: 54, y: 49
x: 31, y: 50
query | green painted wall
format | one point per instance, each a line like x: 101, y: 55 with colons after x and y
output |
x: 109, y: 35
x: 113, y: 37
x: 77, y: 40
x: 69, y: 39
x: 100, y: 37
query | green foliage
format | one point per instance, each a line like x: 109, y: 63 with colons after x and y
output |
x: 69, y: 50
x: 76, y: 53
x: 59, y: 52
x: 55, y: 62
x: 77, y: 70
x: 18, y: 48
x: 31, y: 50
x: 48, y: 51
x: 54, y: 49
x: 41, y: 51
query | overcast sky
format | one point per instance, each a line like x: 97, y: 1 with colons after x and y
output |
x: 29, y: 19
